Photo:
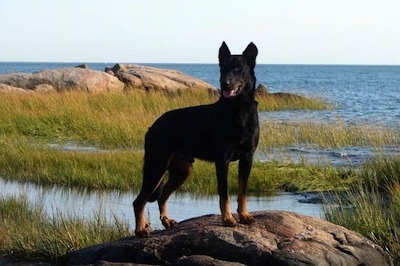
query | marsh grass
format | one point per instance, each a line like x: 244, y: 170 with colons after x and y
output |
x: 110, y: 120
x: 326, y: 135
x: 20, y: 160
x: 272, y: 102
x: 117, y: 122
x: 28, y: 233
x: 372, y: 206
x: 121, y: 170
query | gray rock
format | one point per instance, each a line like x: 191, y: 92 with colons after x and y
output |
x: 276, y: 238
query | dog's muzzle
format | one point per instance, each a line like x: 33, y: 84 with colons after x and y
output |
x: 231, y: 93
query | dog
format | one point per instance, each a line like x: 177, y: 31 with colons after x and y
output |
x: 222, y: 132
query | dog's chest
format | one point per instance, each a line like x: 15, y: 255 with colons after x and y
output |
x: 237, y: 129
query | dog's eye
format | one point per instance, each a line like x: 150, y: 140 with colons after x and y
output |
x: 237, y: 69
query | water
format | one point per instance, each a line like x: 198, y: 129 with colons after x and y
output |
x: 362, y: 95
x: 119, y: 204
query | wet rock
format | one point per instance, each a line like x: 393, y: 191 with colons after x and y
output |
x: 276, y: 238
x: 82, y: 66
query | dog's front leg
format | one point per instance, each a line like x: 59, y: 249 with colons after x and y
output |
x: 221, y: 166
x: 245, y: 164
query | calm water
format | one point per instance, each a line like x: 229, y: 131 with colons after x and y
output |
x: 362, y: 95
x: 116, y: 204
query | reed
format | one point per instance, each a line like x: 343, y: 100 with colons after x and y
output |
x: 28, y: 233
x: 372, y: 206
x: 121, y: 170
x: 110, y: 120
x: 274, y: 102
x: 325, y: 135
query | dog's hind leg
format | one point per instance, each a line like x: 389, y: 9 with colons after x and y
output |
x: 153, y: 171
x: 245, y: 164
x: 179, y: 170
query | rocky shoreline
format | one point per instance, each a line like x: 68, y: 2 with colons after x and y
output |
x: 121, y: 77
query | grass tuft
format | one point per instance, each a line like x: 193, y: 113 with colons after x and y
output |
x: 28, y: 233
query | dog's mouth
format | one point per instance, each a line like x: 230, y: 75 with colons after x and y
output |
x: 231, y: 93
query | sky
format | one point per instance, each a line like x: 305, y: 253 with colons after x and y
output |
x: 178, y: 31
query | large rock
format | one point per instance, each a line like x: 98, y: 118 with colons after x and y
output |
x: 4, y: 88
x: 276, y: 238
x: 151, y: 78
x: 64, y: 79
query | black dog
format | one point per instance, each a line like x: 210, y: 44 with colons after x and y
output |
x: 222, y: 132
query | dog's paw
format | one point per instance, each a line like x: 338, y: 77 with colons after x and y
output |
x: 143, y: 233
x: 229, y: 222
x: 168, y: 223
x: 246, y: 218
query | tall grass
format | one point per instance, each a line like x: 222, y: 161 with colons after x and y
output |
x: 28, y: 233
x: 372, y: 207
x: 121, y: 169
x: 326, y: 135
x: 121, y: 120
x: 110, y: 120
x: 118, y: 122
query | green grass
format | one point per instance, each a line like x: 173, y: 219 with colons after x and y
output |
x: 372, y: 205
x: 28, y: 233
x: 121, y: 170
x: 110, y: 120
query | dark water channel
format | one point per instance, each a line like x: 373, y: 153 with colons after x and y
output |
x: 81, y: 203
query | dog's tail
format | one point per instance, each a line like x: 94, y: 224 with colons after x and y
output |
x: 157, y: 193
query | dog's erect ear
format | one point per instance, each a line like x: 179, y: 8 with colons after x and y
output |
x: 250, y: 53
x: 224, y: 52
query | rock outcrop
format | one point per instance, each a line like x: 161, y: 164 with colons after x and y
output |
x: 262, y: 90
x: 64, y: 79
x: 276, y: 238
x: 121, y: 77
x: 151, y: 78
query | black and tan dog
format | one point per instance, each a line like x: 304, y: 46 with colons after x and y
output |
x: 222, y: 132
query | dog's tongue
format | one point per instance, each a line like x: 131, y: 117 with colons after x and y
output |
x: 228, y: 94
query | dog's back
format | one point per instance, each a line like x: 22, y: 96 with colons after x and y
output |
x: 185, y: 131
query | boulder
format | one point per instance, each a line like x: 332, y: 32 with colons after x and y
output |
x: 276, y: 238
x: 262, y: 90
x: 150, y: 78
x: 64, y: 79
x: 4, y: 88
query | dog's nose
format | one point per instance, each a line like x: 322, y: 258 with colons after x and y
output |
x: 225, y: 84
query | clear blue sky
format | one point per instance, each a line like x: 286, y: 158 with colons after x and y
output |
x: 178, y: 31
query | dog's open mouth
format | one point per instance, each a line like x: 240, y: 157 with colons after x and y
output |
x: 231, y: 93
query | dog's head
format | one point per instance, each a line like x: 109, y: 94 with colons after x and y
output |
x: 237, y: 71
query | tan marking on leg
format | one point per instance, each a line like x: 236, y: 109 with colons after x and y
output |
x: 227, y: 217
x: 244, y: 216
